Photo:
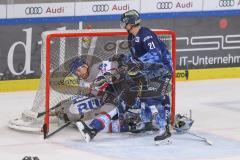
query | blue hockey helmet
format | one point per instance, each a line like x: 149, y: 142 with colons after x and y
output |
x: 130, y: 17
x: 77, y: 62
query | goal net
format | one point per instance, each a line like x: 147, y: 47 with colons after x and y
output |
x: 58, y: 50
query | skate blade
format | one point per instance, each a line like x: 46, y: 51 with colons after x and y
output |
x: 163, y: 142
x: 83, y: 134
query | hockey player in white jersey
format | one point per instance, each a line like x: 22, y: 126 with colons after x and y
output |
x: 91, y: 90
x: 92, y: 77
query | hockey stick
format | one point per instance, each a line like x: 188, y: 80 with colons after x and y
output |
x: 193, y: 134
x: 45, y: 135
x: 201, y: 138
x: 56, y: 106
x: 186, y: 130
x: 59, y: 105
x: 45, y: 126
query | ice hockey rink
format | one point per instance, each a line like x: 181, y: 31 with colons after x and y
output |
x: 215, y: 105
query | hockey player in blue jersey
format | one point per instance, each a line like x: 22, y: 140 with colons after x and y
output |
x: 155, y: 64
x: 150, y: 59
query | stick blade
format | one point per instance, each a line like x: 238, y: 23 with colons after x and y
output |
x: 209, y: 142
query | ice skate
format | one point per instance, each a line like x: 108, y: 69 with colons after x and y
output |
x: 88, y: 133
x: 163, y: 137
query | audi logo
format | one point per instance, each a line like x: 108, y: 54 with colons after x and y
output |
x: 226, y: 3
x: 164, y: 5
x: 33, y: 10
x: 100, y: 8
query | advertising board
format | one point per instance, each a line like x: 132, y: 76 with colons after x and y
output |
x: 166, y: 6
x: 221, y: 5
x: 40, y: 10
x: 105, y: 7
x: 3, y: 11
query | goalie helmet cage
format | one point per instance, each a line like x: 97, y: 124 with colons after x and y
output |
x: 60, y: 46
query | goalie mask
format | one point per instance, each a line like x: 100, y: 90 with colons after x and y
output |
x: 182, y: 123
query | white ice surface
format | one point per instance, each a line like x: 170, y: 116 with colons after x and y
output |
x: 216, y: 110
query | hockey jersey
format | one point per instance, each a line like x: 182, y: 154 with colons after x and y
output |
x: 97, y: 70
x: 148, y: 48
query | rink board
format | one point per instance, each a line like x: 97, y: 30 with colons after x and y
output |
x: 211, y: 73
x: 193, y: 74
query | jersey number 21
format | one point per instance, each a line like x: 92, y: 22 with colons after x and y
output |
x: 151, y: 45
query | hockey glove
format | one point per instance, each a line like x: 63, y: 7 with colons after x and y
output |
x: 100, y: 83
x: 134, y: 69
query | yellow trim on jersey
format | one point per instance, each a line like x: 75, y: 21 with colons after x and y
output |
x: 194, y: 74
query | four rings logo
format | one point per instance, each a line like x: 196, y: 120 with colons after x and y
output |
x: 100, y: 8
x: 33, y: 10
x: 226, y: 3
x: 164, y: 5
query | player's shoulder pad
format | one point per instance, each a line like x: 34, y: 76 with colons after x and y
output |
x: 146, y: 34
